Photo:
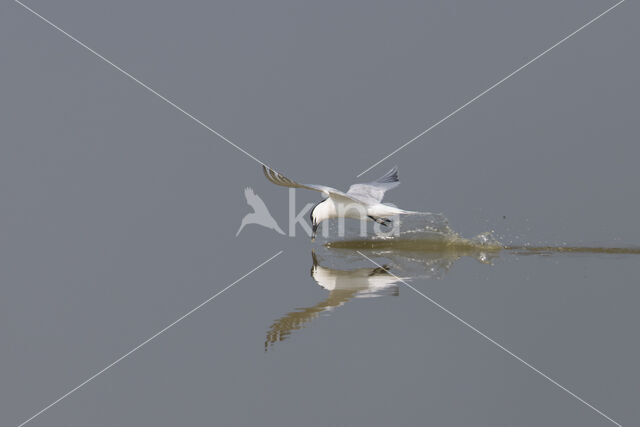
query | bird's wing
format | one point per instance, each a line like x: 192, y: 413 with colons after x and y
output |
x: 279, y: 179
x: 373, y: 192
x: 254, y: 200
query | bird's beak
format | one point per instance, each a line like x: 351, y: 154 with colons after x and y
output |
x: 313, y: 231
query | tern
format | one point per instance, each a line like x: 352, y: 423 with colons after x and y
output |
x: 361, y: 201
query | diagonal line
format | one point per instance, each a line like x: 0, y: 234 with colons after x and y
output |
x: 143, y: 343
x: 497, y: 344
x: 147, y: 87
x: 508, y: 76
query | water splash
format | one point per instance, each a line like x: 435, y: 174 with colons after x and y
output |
x: 421, y: 232
x: 429, y: 232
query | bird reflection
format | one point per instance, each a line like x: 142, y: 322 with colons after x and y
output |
x: 344, y: 285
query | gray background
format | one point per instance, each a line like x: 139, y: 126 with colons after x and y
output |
x: 118, y: 213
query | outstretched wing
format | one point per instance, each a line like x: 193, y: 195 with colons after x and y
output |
x: 254, y: 200
x: 279, y: 179
x: 373, y: 192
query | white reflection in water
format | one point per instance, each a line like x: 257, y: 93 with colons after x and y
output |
x: 422, y: 253
x: 365, y: 281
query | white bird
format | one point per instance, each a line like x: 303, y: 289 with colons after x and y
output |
x: 361, y: 201
x: 260, y: 214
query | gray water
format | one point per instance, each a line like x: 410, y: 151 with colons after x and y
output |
x: 118, y: 214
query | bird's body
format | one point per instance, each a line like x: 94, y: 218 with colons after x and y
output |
x: 335, y: 207
x: 360, y: 201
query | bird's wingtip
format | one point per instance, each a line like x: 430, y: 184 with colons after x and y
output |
x: 391, y: 176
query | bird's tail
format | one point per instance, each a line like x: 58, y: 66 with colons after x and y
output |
x: 403, y: 212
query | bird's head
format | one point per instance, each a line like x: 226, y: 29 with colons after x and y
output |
x: 314, y: 223
x: 318, y: 214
